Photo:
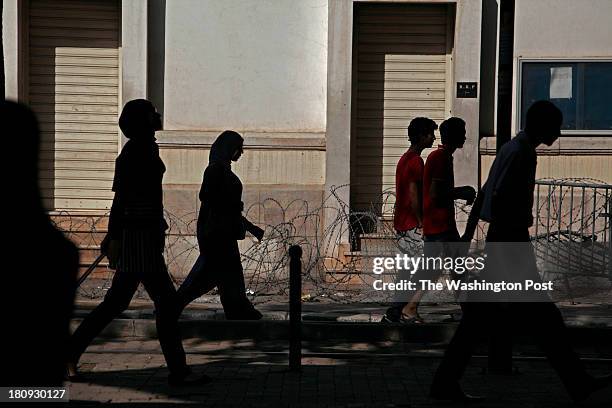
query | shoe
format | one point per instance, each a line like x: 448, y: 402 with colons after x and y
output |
x: 406, y: 319
x: 72, y: 373
x: 188, y: 378
x: 594, y: 384
x: 403, y: 319
x: 387, y: 319
x: 454, y: 394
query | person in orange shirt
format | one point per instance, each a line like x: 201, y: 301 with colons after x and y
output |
x: 408, y: 216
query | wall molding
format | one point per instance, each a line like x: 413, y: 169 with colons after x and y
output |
x: 564, y: 146
x: 253, y: 140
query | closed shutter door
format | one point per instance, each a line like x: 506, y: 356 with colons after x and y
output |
x: 401, y: 66
x: 74, y: 90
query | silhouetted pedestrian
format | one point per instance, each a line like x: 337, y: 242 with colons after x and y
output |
x: 37, y: 290
x: 135, y: 242
x: 220, y: 226
x: 506, y: 202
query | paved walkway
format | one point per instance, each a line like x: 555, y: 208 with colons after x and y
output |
x: 254, y: 374
x: 584, y: 313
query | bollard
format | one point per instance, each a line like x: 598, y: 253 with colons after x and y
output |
x: 295, y: 308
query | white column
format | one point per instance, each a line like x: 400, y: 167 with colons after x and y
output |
x: 467, y: 69
x: 338, y: 137
x: 11, y: 38
x: 133, y: 50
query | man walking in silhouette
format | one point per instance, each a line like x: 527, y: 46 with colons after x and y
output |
x: 506, y: 202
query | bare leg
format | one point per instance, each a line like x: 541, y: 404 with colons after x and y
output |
x: 411, y: 308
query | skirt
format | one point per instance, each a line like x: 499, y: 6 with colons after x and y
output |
x: 142, y: 251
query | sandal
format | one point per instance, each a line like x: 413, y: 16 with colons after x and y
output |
x: 407, y: 319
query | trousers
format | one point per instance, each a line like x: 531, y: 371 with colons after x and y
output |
x: 218, y: 265
x: 141, y: 262
x: 541, y: 320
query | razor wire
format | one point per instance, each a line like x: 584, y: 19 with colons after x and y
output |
x: 338, y: 243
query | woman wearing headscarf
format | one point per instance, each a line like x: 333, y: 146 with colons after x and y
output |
x: 135, y: 242
x: 220, y: 226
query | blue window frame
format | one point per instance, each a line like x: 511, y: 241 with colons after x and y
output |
x: 581, y: 89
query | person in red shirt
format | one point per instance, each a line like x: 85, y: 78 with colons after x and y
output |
x: 409, y: 176
x: 439, y: 195
x: 408, y: 216
x: 439, y: 191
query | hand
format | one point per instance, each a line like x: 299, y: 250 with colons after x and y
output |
x: 257, y: 232
x: 112, y: 249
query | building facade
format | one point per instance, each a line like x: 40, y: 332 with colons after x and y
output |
x: 322, y: 90
x: 561, y: 51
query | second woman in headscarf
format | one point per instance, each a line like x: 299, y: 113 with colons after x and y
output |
x: 220, y: 226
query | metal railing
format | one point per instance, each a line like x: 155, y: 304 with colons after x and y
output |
x: 571, y: 231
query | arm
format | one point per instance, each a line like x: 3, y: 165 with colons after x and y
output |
x: 253, y: 229
x: 441, y: 193
x: 473, y: 218
x: 115, y: 221
x: 439, y: 170
x: 439, y: 189
x: 414, y: 195
x: 211, y: 191
x: 110, y: 245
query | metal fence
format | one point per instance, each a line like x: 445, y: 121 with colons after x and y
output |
x: 571, y: 232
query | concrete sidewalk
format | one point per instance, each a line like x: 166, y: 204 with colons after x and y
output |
x: 254, y: 374
x: 580, y: 314
x: 336, y: 330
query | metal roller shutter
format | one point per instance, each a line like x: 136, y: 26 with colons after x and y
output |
x: 401, y: 67
x: 74, y: 90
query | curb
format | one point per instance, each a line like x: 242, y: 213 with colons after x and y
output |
x: 312, y: 331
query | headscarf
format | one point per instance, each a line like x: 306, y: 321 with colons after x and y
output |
x: 135, y: 119
x: 224, y: 147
